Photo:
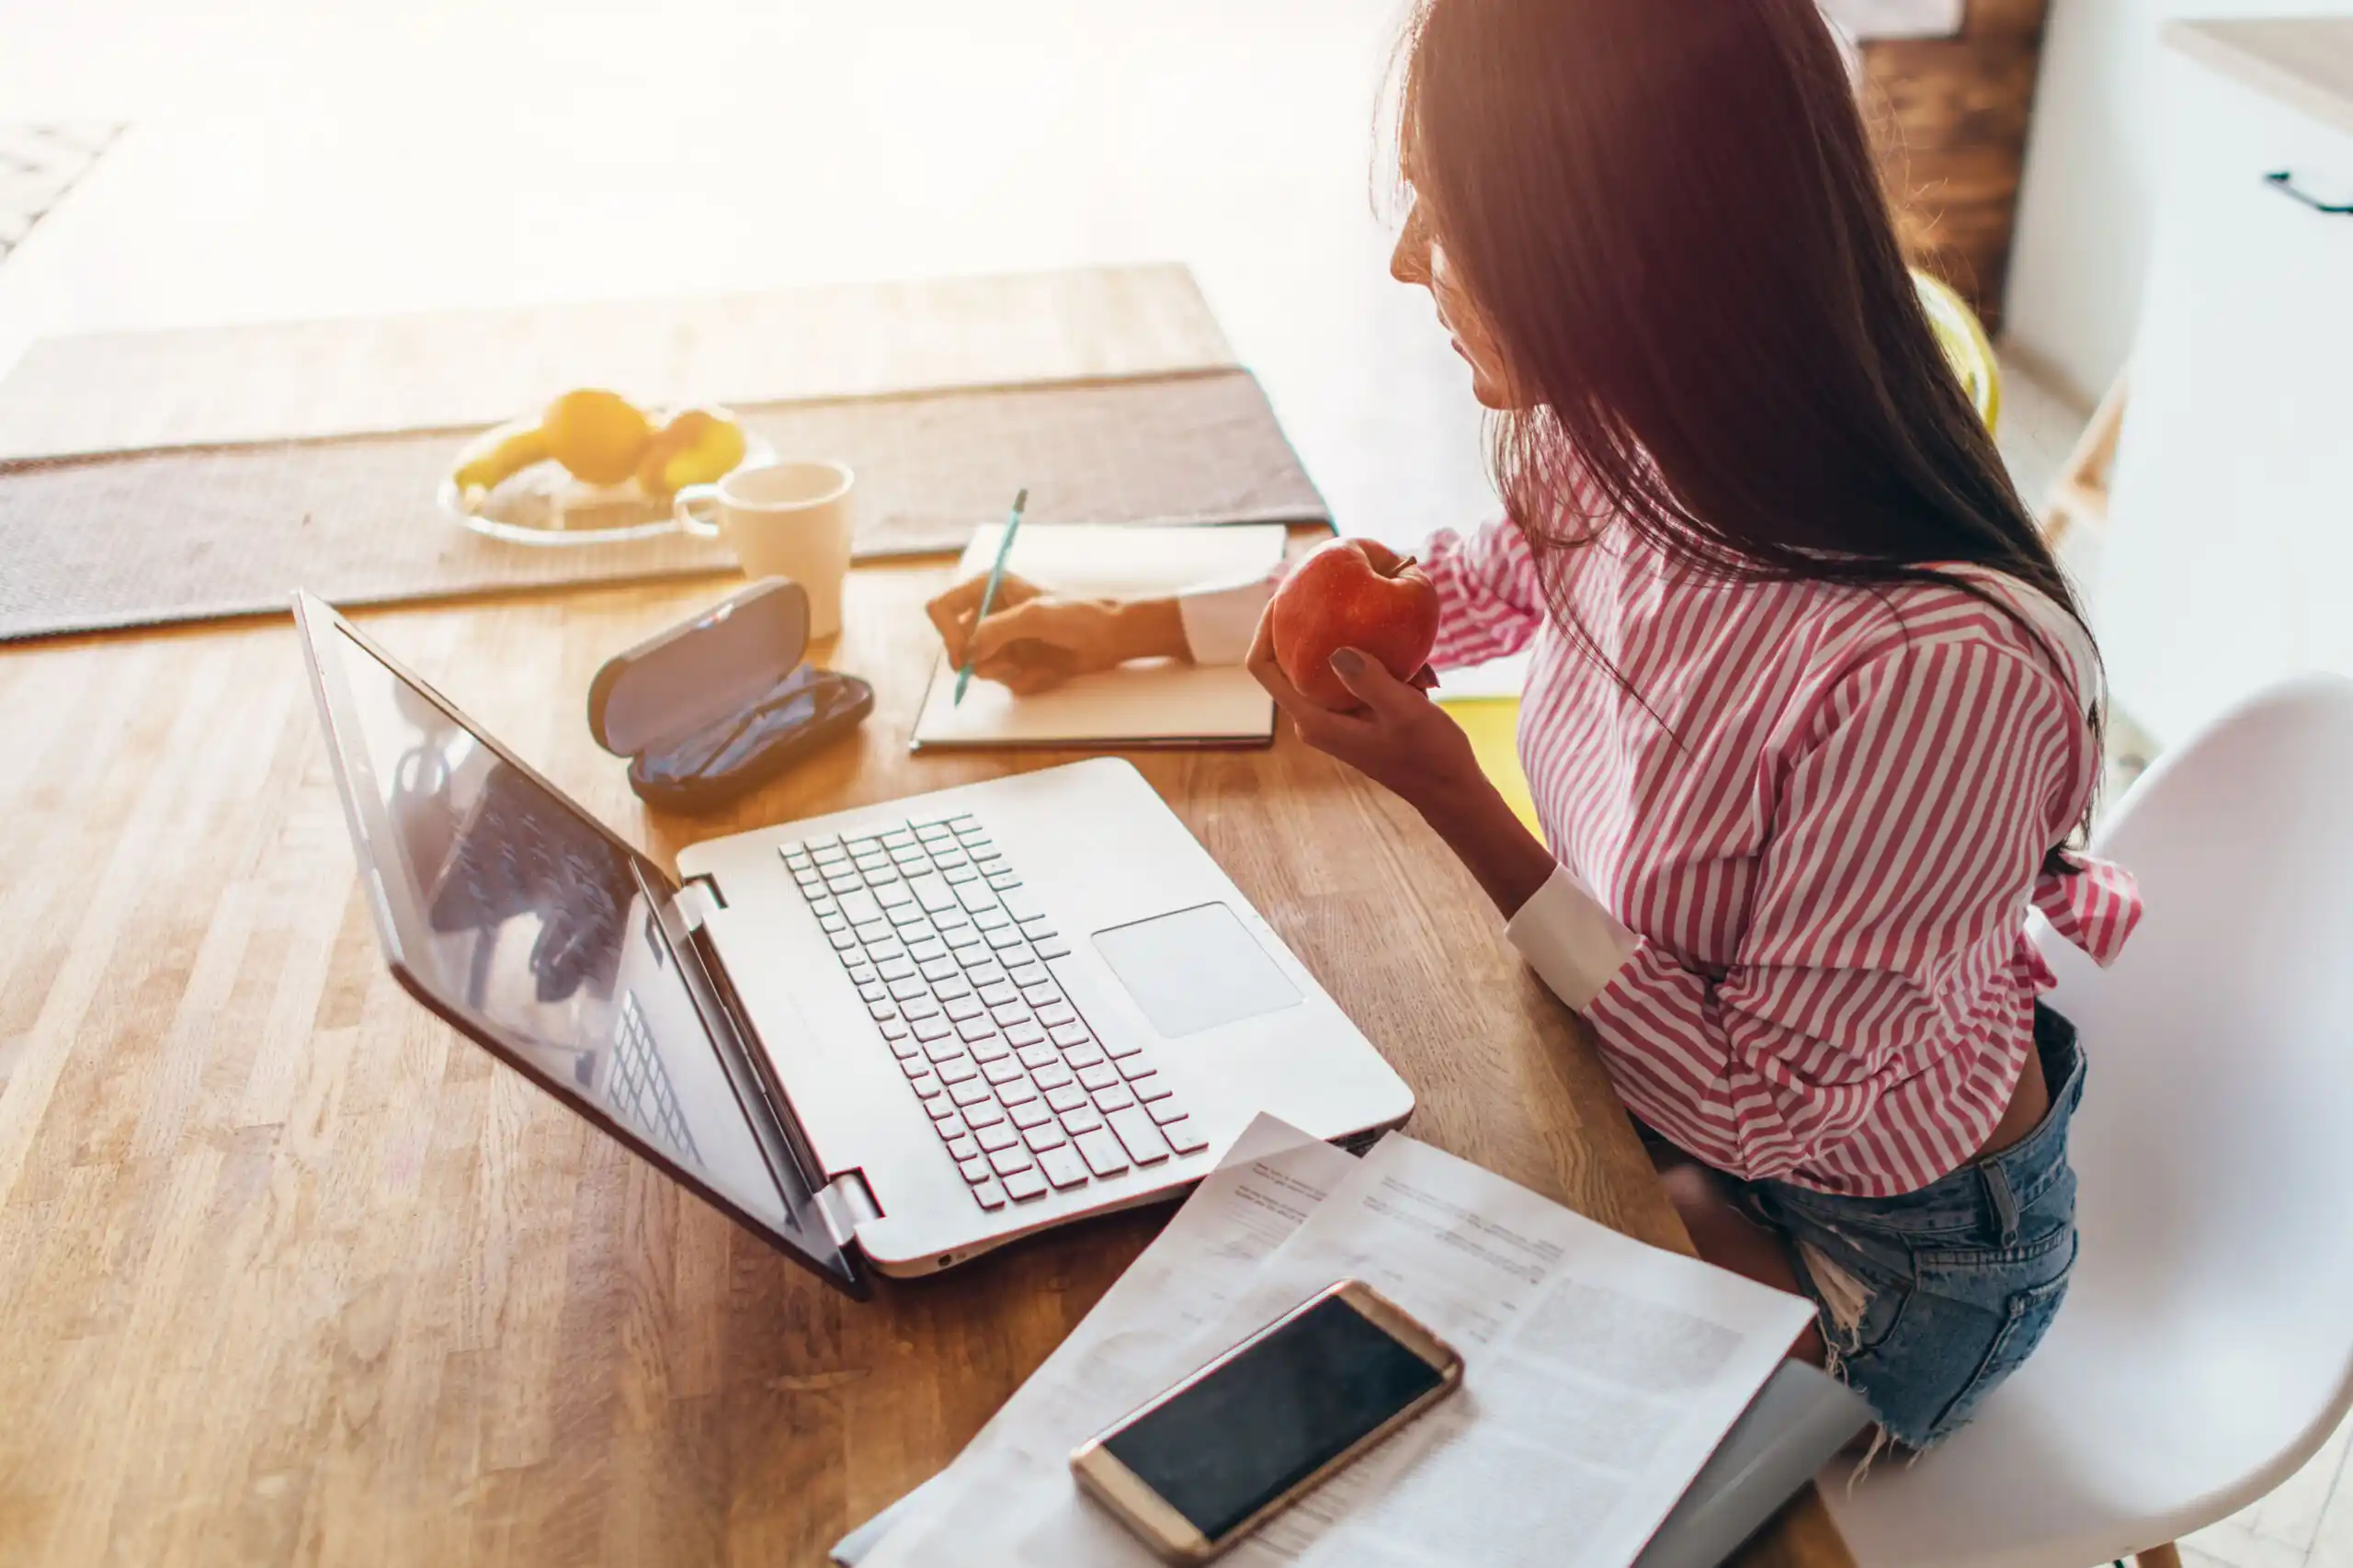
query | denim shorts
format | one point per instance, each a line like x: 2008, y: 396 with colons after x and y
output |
x: 1927, y: 1300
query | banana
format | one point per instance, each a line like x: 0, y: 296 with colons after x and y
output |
x: 506, y: 458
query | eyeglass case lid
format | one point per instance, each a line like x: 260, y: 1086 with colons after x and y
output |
x: 707, y: 671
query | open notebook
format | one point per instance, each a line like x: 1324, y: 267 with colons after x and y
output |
x: 1147, y: 704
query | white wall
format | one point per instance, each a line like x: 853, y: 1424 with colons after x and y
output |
x: 2085, y: 211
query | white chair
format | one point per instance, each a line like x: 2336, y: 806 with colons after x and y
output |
x: 2205, y: 1349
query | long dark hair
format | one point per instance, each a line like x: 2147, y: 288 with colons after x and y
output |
x: 1667, y: 215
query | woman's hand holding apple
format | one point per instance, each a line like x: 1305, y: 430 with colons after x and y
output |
x: 1384, y: 726
x: 1343, y: 649
x: 1393, y: 733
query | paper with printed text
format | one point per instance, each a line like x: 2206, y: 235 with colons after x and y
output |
x: 1267, y: 1184
x: 1600, y: 1374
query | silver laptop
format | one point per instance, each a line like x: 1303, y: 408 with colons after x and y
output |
x: 889, y: 1038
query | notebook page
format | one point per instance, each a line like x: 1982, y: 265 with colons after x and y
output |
x: 1168, y: 700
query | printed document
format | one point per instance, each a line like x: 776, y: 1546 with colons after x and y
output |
x: 1273, y: 1177
x: 1600, y: 1373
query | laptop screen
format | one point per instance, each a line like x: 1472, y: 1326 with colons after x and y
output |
x: 523, y: 920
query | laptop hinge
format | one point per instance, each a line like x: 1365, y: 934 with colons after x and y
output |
x: 846, y: 1203
x: 697, y: 901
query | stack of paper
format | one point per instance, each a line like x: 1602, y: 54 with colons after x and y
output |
x: 1163, y: 703
x: 1600, y: 1373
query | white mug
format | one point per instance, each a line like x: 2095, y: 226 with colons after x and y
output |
x: 783, y: 519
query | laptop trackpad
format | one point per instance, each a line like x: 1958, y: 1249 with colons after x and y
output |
x: 1195, y: 969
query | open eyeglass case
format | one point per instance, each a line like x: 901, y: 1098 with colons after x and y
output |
x: 712, y: 709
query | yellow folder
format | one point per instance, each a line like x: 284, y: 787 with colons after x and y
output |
x: 1492, y: 724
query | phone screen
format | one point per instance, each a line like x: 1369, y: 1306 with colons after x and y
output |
x: 1272, y: 1417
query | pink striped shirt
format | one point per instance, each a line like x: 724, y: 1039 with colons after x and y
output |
x: 1797, y: 923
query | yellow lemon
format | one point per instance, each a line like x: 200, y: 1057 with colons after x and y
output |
x: 700, y: 445
x: 598, y: 435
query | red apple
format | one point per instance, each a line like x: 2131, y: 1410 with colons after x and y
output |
x: 1352, y: 593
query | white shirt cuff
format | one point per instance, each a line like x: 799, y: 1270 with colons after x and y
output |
x: 1220, y: 623
x: 1571, y: 941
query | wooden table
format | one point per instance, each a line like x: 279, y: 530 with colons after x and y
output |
x: 290, y: 1273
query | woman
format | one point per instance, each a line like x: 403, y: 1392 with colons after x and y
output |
x: 1811, y: 709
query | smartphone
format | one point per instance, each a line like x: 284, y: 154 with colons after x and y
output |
x: 1204, y: 1465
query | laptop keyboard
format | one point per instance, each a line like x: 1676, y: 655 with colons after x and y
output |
x: 950, y: 952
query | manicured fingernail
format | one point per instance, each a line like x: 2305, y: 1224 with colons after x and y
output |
x: 1348, y: 662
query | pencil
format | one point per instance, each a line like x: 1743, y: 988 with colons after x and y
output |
x: 988, y: 593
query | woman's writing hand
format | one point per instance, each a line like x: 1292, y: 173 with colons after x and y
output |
x: 1398, y: 737
x: 1033, y: 641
